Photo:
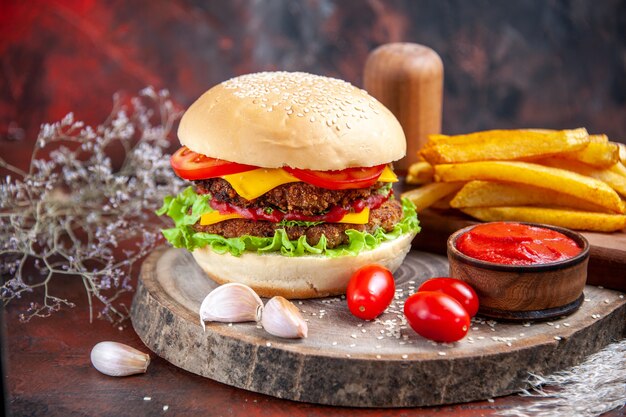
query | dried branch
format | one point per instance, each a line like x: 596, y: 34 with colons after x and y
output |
x: 73, y: 214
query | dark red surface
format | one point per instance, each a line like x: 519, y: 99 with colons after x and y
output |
x: 521, y: 64
x: 550, y: 64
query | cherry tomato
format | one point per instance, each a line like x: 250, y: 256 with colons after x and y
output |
x: 191, y: 165
x: 455, y: 288
x: 370, y: 291
x: 339, y: 180
x: 436, y: 316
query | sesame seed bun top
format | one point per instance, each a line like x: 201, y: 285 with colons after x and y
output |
x: 275, y: 119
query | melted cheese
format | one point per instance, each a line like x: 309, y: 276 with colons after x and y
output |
x: 215, y: 217
x: 255, y: 183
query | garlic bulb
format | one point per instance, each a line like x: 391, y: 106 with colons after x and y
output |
x: 118, y: 359
x: 283, y: 319
x: 231, y: 303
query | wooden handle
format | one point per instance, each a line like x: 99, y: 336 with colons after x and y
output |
x: 408, y: 79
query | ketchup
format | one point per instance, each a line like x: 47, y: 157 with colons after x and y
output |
x: 516, y: 244
x: 333, y: 215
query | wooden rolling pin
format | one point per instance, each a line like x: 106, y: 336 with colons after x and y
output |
x: 408, y: 79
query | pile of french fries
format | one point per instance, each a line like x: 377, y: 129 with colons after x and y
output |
x: 565, y: 178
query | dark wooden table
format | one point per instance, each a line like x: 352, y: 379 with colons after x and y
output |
x: 48, y: 372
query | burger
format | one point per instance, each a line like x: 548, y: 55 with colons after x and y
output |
x: 292, y: 184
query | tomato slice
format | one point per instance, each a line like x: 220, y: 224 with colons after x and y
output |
x: 341, y: 179
x: 191, y: 165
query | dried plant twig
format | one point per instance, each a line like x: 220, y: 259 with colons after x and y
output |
x: 73, y: 213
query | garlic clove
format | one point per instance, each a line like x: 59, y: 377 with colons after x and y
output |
x: 118, y: 359
x: 231, y: 303
x: 282, y: 318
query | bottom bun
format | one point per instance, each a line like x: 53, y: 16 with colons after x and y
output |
x: 308, y: 276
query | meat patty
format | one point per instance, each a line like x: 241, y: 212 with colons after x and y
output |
x: 295, y: 196
x: 385, y: 216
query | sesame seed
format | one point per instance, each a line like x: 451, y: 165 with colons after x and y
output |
x: 230, y: 325
x: 300, y: 115
x: 557, y: 337
x: 147, y: 398
x: 353, y: 336
x: 606, y: 301
x: 363, y: 331
x: 378, y: 356
x: 353, y: 345
x: 334, y: 343
x: 348, y: 355
x: 268, y: 344
x: 166, y: 407
x: 405, y: 356
x: 441, y: 353
x: 566, y: 324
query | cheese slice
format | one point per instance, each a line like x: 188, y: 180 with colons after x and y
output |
x: 388, y: 175
x: 215, y: 217
x: 255, y: 183
x: 357, y: 218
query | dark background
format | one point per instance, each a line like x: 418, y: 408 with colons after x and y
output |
x: 552, y: 64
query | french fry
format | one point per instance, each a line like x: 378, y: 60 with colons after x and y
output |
x: 619, y: 169
x: 612, y: 178
x: 622, y: 152
x: 494, y: 194
x: 559, y: 180
x: 581, y: 220
x: 502, y: 145
x: 428, y: 194
x: 420, y: 173
x: 599, y: 153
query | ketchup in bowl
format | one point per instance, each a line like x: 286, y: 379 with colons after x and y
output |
x: 516, y: 244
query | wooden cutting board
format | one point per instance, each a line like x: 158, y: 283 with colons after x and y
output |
x: 349, y: 362
x: 607, y: 257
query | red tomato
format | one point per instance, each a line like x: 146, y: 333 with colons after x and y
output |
x: 370, y: 291
x: 455, y: 288
x: 437, y: 316
x: 339, y: 180
x: 191, y: 165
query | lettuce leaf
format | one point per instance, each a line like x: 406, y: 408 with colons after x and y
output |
x: 187, y: 207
